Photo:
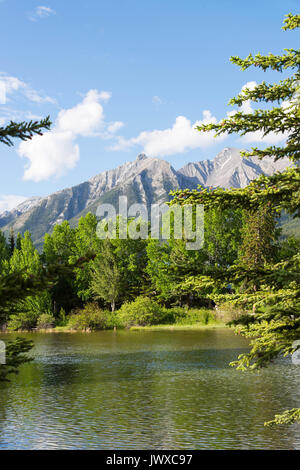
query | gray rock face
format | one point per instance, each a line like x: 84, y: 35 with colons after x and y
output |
x: 145, y: 180
x: 229, y: 170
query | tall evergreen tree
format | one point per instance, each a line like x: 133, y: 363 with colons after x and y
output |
x: 106, y: 282
x: 258, y: 237
x: 13, y: 287
x: 4, y: 250
x: 274, y: 331
x: 18, y: 242
x: 11, y: 241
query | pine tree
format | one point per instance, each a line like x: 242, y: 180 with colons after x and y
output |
x: 106, y: 282
x: 273, y: 330
x: 11, y: 241
x: 14, y: 287
x: 18, y: 242
x: 4, y: 250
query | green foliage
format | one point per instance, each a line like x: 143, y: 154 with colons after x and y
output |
x: 15, y: 357
x: 106, y: 282
x: 89, y: 318
x: 11, y: 241
x: 118, y: 272
x: 177, y: 274
x: 131, y: 257
x: 62, y: 318
x: 258, y: 238
x: 222, y: 230
x: 14, y: 286
x: 27, y: 258
x: 26, y: 312
x: 281, y: 190
x: 45, y: 321
x: 23, y: 130
x: 59, y: 250
x: 22, y: 321
x: 273, y: 331
x: 59, y: 246
x: 85, y: 243
x: 141, y: 312
x: 183, y: 316
x: 4, y: 250
x: 275, y: 324
x: 287, y: 417
x: 168, y: 264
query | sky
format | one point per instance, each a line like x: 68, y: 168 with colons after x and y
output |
x: 122, y: 77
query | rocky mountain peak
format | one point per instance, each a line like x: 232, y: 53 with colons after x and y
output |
x: 141, y: 156
x: 145, y: 180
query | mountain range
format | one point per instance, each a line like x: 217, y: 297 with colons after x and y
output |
x: 144, y: 180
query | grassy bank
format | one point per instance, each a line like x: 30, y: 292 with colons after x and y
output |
x: 141, y: 314
x: 163, y: 327
x: 172, y: 327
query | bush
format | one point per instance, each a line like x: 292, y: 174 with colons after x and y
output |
x: 45, y: 321
x: 90, y: 318
x: 114, y: 320
x: 22, y: 321
x: 141, y: 312
x: 29, y: 310
x: 182, y: 316
x: 62, y: 319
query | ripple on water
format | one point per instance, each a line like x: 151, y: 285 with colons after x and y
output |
x: 136, y: 391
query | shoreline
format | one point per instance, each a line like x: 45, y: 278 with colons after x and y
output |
x: 167, y: 327
x: 171, y: 327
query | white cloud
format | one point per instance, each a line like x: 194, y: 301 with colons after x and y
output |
x: 10, y: 201
x: 84, y: 118
x: 182, y: 136
x: 115, y: 127
x: 51, y: 154
x: 57, y: 151
x: 41, y: 12
x: 10, y: 85
x: 271, y: 139
x: 246, y: 106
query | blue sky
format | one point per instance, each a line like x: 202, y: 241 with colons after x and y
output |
x: 120, y: 77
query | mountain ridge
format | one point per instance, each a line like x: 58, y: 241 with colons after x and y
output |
x: 145, y: 180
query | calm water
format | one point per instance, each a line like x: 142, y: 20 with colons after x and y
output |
x: 139, y: 390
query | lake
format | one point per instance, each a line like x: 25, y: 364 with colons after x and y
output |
x: 145, y: 390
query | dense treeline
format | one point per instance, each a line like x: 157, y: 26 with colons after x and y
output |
x: 118, y: 271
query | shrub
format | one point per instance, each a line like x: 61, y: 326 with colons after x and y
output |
x: 114, y: 320
x: 29, y: 310
x: 141, y: 312
x: 62, y: 319
x: 45, y: 321
x: 91, y: 317
x: 182, y: 316
x: 22, y: 321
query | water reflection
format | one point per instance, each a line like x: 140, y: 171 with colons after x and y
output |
x: 155, y: 390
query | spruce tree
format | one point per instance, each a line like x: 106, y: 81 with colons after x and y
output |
x: 18, y: 242
x: 106, y: 281
x: 11, y: 241
x: 14, y: 287
x: 275, y: 328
